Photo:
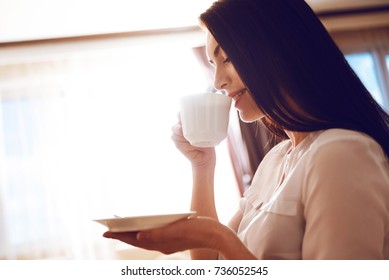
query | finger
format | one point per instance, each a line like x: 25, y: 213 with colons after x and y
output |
x: 127, y: 237
x: 177, y: 129
x: 177, y: 134
x: 179, y: 138
x: 171, y: 231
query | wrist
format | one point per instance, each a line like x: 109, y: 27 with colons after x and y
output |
x: 205, y: 169
x: 206, y: 164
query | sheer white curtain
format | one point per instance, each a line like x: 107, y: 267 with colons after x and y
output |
x: 86, y: 134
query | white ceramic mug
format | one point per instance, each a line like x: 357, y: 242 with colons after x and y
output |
x: 205, y: 118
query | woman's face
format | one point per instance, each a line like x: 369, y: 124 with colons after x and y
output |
x: 227, y: 79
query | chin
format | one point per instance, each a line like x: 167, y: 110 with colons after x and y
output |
x: 248, y: 118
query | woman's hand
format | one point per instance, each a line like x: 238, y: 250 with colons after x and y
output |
x: 197, y: 156
x: 191, y: 233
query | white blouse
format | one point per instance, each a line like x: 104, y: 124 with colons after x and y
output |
x: 328, y: 198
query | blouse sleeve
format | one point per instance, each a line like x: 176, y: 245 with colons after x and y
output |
x: 346, y: 201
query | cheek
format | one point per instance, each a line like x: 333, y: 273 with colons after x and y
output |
x: 234, y: 75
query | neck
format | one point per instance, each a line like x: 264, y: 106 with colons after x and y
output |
x: 296, y: 137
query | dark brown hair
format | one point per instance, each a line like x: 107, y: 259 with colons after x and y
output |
x: 294, y: 70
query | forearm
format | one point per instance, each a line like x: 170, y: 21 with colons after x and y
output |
x: 203, y: 202
x: 203, y: 195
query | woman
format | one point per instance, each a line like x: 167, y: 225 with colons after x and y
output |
x: 323, y: 192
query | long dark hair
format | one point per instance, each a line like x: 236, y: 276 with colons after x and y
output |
x: 292, y: 67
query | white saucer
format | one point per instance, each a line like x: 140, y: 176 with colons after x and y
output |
x: 138, y: 223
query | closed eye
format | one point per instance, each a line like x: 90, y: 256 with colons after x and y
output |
x: 226, y: 60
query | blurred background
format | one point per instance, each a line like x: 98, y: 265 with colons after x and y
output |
x: 88, y: 95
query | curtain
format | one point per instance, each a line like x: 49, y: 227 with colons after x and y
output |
x: 361, y: 40
x: 42, y: 171
x: 85, y: 133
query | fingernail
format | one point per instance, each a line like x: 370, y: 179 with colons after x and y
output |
x: 143, y: 235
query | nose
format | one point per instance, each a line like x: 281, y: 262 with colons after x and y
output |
x: 220, y: 80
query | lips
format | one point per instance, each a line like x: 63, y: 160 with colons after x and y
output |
x: 237, y: 94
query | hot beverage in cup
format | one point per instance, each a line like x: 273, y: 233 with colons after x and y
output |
x: 205, y: 118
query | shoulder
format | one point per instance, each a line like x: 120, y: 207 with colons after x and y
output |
x: 345, y: 196
x: 343, y: 160
x: 338, y: 134
x: 335, y: 144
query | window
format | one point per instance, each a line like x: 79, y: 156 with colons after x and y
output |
x: 387, y: 62
x: 85, y: 133
x: 363, y: 65
x: 367, y: 51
